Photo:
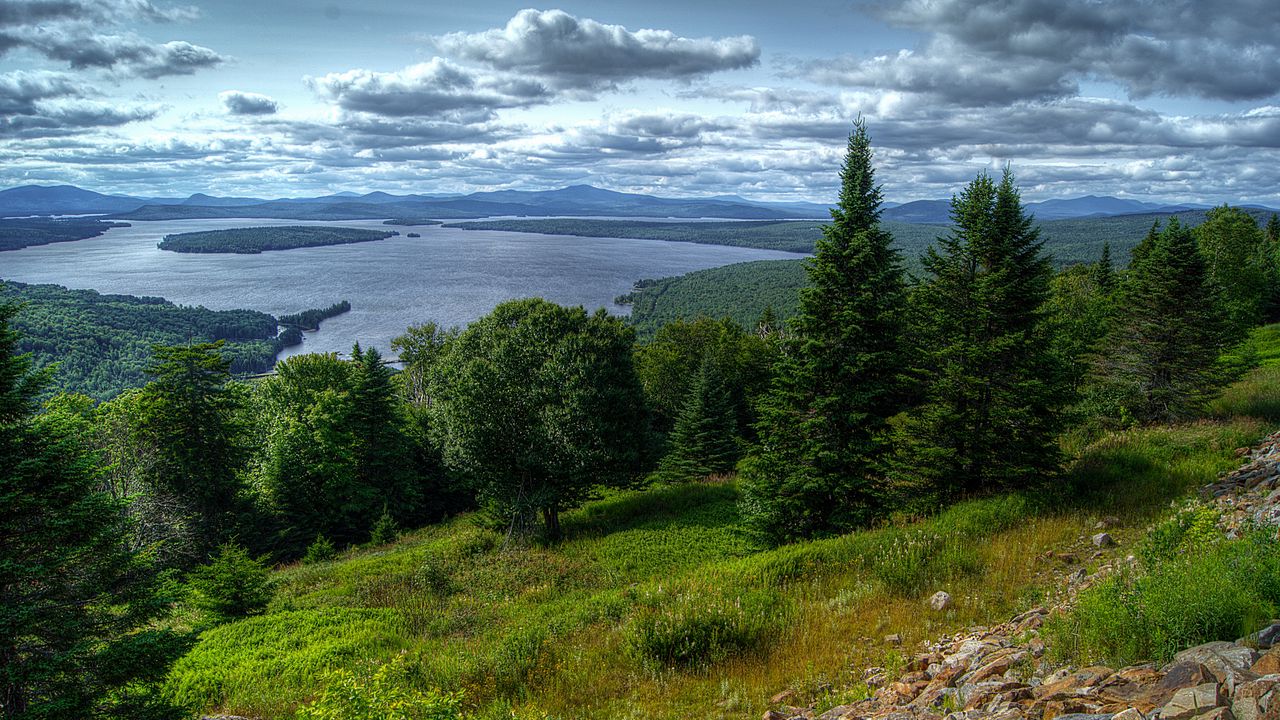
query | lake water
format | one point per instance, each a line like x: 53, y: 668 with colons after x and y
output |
x: 448, y: 276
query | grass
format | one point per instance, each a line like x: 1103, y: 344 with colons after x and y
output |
x: 659, y: 605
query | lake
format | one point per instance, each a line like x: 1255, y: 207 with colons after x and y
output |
x: 448, y: 276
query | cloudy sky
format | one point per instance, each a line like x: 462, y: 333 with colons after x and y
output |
x: 1153, y: 99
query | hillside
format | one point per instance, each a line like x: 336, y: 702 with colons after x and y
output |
x: 659, y: 605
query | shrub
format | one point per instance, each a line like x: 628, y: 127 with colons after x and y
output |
x: 1190, y: 529
x: 1219, y: 591
x: 696, y: 628
x: 385, y: 695
x: 234, y: 585
x: 321, y: 550
x: 384, y: 530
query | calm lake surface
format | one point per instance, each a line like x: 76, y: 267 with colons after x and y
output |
x: 448, y: 276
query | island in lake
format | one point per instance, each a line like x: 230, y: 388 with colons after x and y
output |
x: 253, y: 240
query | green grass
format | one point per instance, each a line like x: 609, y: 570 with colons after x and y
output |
x: 659, y: 604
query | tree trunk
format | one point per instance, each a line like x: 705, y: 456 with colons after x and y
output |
x: 551, y: 519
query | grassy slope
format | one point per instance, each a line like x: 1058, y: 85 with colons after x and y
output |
x: 546, y: 631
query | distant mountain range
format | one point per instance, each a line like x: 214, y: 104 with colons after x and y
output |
x: 577, y: 200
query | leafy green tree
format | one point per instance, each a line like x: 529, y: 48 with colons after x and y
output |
x: 233, y: 585
x: 1080, y: 310
x: 186, y: 422
x: 823, y: 429
x: 75, y: 598
x: 1161, y: 356
x: 1241, y: 265
x: 704, y: 441
x: 994, y: 385
x: 537, y: 405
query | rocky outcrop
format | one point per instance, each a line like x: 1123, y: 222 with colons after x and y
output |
x: 1001, y: 673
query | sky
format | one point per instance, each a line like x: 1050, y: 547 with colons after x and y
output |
x: 1174, y: 100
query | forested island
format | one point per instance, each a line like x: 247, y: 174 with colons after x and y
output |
x: 17, y: 233
x: 741, y: 292
x: 253, y: 240
x: 310, y: 319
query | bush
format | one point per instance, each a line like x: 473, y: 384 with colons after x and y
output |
x: 697, y: 628
x: 385, y: 695
x: 234, y: 585
x: 1219, y: 591
x: 384, y: 530
x: 1190, y: 530
x: 321, y: 550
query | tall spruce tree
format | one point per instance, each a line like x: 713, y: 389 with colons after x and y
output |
x: 993, y: 383
x: 1104, y: 275
x: 823, y: 434
x: 75, y: 599
x: 704, y: 440
x: 1164, y: 349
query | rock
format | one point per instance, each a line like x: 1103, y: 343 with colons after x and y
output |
x: 1265, y: 639
x: 1130, y: 714
x: 940, y: 601
x: 1185, y: 674
x: 1257, y: 700
x: 1086, y: 716
x: 894, y: 639
x: 1222, y: 713
x: 782, y: 697
x: 840, y: 712
x: 1189, y: 702
x: 774, y: 715
x: 1103, y: 539
x: 1268, y: 664
x: 1230, y: 663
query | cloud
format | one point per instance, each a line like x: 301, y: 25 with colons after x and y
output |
x: 994, y: 51
x: 247, y: 103
x: 580, y: 53
x: 438, y: 89
x: 44, y: 103
x: 87, y: 35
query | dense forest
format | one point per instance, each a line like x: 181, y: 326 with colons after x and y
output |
x: 100, y: 345
x: 253, y: 240
x: 18, y: 233
x: 741, y: 292
x: 143, y: 525
x: 310, y: 319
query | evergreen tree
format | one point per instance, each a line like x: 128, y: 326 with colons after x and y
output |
x: 994, y: 384
x: 704, y: 439
x: 187, y: 421
x: 75, y: 599
x: 1163, y: 352
x: 823, y: 429
x: 383, y: 456
x: 1104, y: 276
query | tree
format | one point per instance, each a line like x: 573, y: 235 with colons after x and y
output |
x: 823, y: 428
x: 994, y: 385
x: 382, y: 454
x: 187, y: 422
x: 233, y: 585
x: 75, y: 598
x: 1104, y: 276
x: 704, y: 441
x: 1162, y: 353
x: 537, y: 405
x: 1241, y: 265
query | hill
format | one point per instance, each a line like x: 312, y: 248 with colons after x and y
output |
x: 659, y: 605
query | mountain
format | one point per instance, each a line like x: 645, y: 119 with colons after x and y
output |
x: 920, y: 211
x: 62, y: 200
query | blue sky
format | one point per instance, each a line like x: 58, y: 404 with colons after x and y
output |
x: 1157, y: 99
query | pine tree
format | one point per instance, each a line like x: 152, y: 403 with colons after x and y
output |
x: 1172, y: 330
x: 75, y: 600
x: 1104, y: 276
x: 994, y: 384
x: 382, y: 455
x: 703, y: 441
x: 823, y: 429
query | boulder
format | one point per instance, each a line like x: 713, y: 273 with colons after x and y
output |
x: 1222, y: 713
x: 1230, y: 663
x: 1265, y: 639
x: 1130, y: 714
x: 841, y: 712
x: 1257, y: 700
x: 1190, y: 702
x: 1103, y: 539
x: 1268, y: 664
x: 940, y: 601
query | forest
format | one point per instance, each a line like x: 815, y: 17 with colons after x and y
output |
x: 100, y: 345
x: 253, y: 240
x: 890, y: 425
x: 16, y: 233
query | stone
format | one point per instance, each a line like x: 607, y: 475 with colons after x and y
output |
x: 1265, y: 639
x: 1185, y: 674
x: 1074, y: 684
x: 894, y: 639
x: 1187, y: 703
x: 1230, y: 663
x: 840, y: 712
x: 774, y: 715
x: 782, y: 697
x: 1130, y: 714
x: 1257, y: 700
x: 940, y: 601
x: 1103, y: 539
x: 1085, y: 716
x: 1222, y: 713
x: 1268, y: 664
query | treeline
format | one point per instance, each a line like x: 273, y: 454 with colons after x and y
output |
x: 310, y: 319
x: 740, y: 292
x: 16, y: 233
x: 255, y: 240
